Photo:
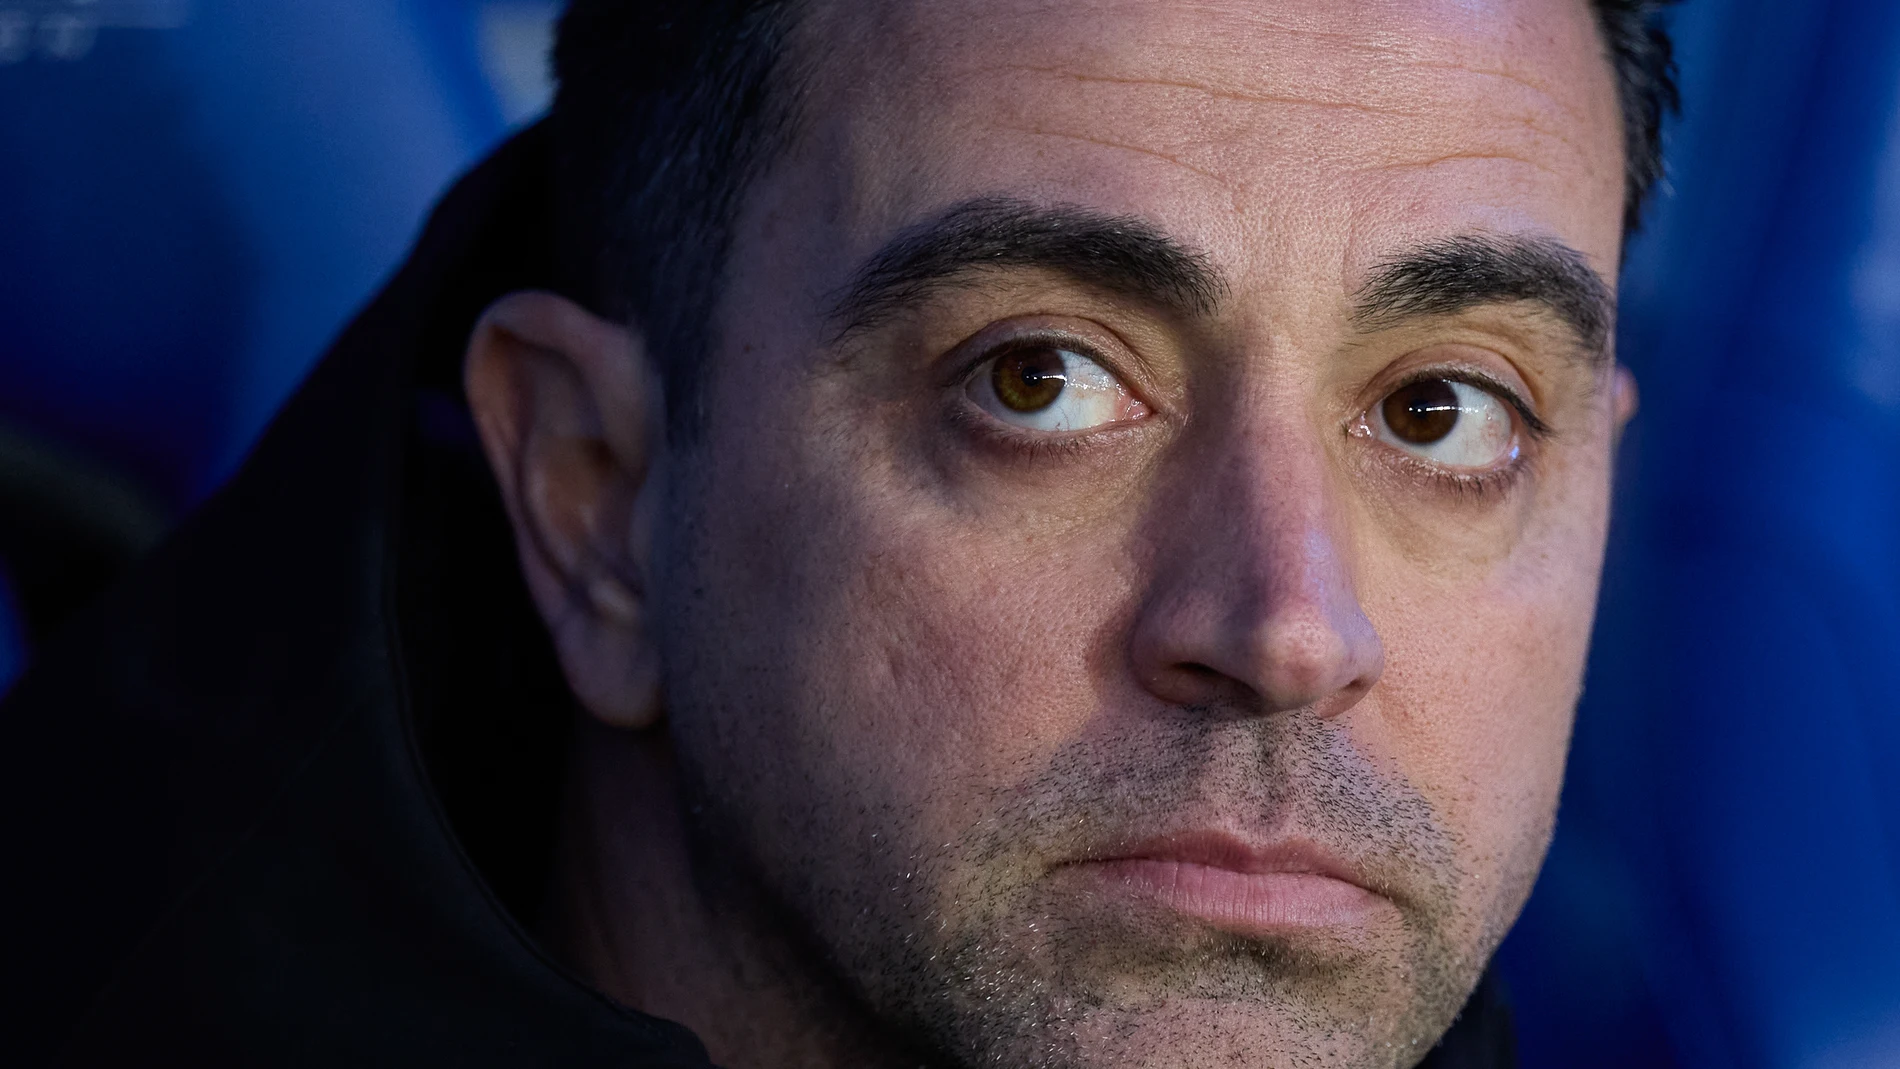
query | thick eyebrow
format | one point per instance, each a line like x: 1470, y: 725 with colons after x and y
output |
x: 1452, y: 275
x: 1120, y: 254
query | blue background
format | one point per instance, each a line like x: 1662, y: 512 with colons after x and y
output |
x: 196, y: 195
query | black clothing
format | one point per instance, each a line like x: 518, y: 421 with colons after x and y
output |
x: 280, y: 799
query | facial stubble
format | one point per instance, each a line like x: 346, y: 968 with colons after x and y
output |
x: 972, y: 952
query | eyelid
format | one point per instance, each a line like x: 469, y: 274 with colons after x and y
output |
x: 1073, y: 341
x: 1482, y: 380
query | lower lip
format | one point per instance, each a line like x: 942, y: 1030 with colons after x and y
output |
x: 1244, y: 903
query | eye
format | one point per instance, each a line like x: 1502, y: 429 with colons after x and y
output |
x: 1044, y: 387
x: 1447, y: 422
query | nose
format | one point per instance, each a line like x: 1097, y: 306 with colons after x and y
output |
x: 1252, y: 599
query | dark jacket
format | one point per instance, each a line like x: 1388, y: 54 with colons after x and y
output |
x: 285, y: 796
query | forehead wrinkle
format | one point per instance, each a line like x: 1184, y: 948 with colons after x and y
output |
x: 1201, y: 66
x: 1528, y: 118
x: 1460, y: 157
x: 1417, y: 61
x: 1482, y: 46
x: 1541, y: 90
x: 1205, y: 90
x: 1414, y: 41
x: 1105, y: 143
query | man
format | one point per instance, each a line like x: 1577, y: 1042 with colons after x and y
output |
x: 1071, y: 529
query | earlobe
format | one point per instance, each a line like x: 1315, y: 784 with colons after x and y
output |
x: 568, y: 413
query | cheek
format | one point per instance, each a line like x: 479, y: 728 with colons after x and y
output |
x: 1484, y: 664
x: 973, y: 661
x: 1479, y: 710
x: 887, y: 659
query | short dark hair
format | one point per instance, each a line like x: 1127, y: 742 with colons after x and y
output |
x: 1644, y: 60
x: 667, y: 109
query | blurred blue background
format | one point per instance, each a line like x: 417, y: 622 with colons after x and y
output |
x: 196, y: 194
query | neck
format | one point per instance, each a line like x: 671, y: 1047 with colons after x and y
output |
x: 632, y: 914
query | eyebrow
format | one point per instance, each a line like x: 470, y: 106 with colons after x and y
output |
x: 1120, y: 254
x: 1131, y: 257
x: 1452, y: 275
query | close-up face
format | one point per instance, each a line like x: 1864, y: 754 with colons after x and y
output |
x: 1128, y: 590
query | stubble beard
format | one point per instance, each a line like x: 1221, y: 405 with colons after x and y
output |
x: 963, y: 955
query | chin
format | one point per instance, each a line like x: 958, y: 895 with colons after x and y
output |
x: 1204, y: 1033
x: 1196, y: 1033
x: 1170, y: 994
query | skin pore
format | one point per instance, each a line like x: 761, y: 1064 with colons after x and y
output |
x: 1126, y: 594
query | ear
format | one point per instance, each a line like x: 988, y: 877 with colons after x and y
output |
x: 1623, y: 400
x: 570, y: 416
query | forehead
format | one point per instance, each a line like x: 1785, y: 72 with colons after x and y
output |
x: 1266, y: 132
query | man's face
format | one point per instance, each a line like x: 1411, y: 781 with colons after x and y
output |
x: 1128, y: 598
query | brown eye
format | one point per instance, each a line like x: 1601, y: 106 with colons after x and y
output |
x: 1422, y: 413
x: 1447, y: 422
x: 1029, y: 380
x: 1050, y: 388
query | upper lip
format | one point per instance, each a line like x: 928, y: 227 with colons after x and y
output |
x: 1236, y: 853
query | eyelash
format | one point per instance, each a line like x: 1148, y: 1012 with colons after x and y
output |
x: 1030, y: 447
x: 1474, y: 484
x: 1027, y: 445
x: 967, y: 369
x: 1481, y: 484
x: 1539, y: 430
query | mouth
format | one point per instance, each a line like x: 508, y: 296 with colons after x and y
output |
x: 1279, y: 887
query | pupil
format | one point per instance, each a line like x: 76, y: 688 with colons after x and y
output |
x: 1423, y: 412
x: 1030, y: 379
